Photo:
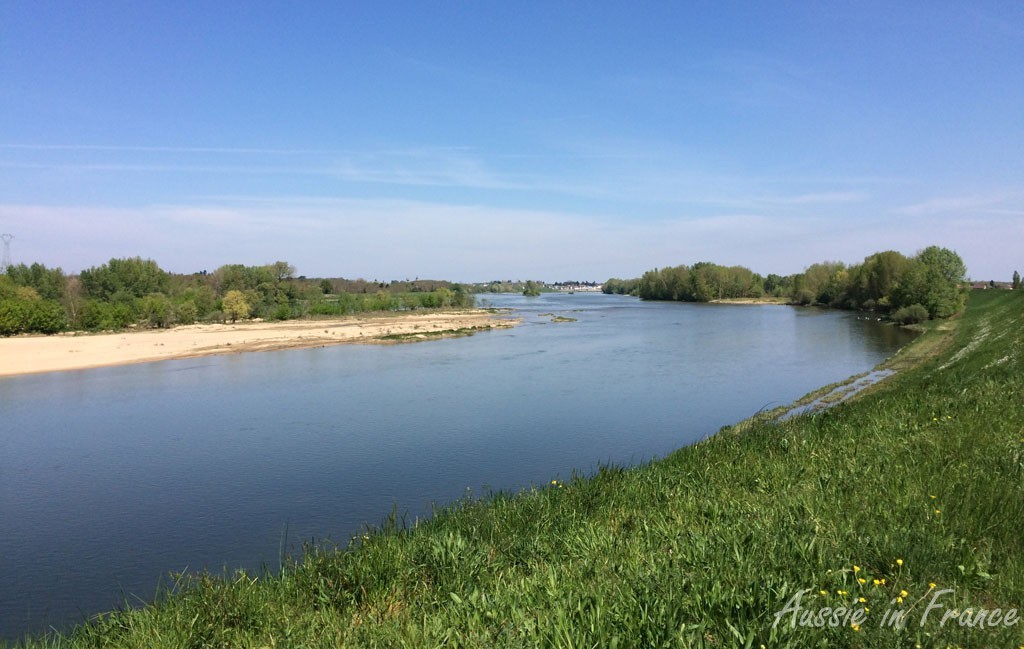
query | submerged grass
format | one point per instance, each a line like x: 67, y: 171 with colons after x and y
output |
x: 878, y: 504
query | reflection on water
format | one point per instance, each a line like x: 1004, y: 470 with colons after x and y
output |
x: 111, y: 478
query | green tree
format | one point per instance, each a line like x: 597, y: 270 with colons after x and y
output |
x: 24, y: 311
x: 531, y: 288
x: 136, y: 277
x: 934, y: 279
x: 49, y: 283
x: 282, y: 270
x: 186, y: 313
x: 235, y: 305
x: 822, y: 283
x: 776, y: 285
x: 1016, y: 280
x: 157, y: 310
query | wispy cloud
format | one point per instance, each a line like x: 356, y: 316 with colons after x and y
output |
x: 159, y: 149
x: 425, y: 167
x: 108, y: 167
x: 1001, y: 201
x: 816, y: 199
x: 392, y: 238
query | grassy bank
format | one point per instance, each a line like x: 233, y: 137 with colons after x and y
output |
x: 914, y: 488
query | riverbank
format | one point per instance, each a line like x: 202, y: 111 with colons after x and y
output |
x: 782, y: 301
x: 75, y: 351
x: 905, y: 501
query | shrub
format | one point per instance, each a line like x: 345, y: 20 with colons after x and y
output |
x: 804, y: 297
x: 911, y: 314
x: 187, y: 312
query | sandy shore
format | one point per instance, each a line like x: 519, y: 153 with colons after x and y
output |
x: 781, y: 301
x: 33, y: 354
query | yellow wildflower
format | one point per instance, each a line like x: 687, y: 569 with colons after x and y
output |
x: 861, y: 600
x: 903, y: 593
x: 856, y: 569
x: 938, y: 511
x: 823, y: 593
x: 855, y: 627
x: 899, y: 599
x: 931, y: 584
x: 899, y: 562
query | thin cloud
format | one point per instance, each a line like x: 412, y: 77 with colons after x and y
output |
x: 997, y: 202
x: 815, y: 199
x: 395, y: 237
x: 160, y: 149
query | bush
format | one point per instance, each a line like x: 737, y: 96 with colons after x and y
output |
x: 911, y: 314
x: 13, y: 317
x: 31, y: 316
x: 804, y: 297
x: 281, y: 312
x: 187, y: 312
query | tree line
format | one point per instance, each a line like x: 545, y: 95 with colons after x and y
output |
x: 931, y: 284
x: 136, y: 292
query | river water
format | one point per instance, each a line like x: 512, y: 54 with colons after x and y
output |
x: 112, y: 478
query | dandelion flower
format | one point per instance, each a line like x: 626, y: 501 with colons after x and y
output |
x: 932, y: 496
x: 861, y: 600
x: 823, y: 593
x: 931, y: 584
x: 938, y: 511
x: 840, y: 592
x: 899, y: 562
x: 856, y: 569
x: 899, y: 600
x: 855, y: 627
x: 903, y: 593
x: 877, y: 582
x: 861, y: 580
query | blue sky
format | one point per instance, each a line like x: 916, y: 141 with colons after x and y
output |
x: 483, y: 140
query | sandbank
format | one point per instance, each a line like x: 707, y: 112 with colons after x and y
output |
x: 781, y: 301
x: 76, y: 351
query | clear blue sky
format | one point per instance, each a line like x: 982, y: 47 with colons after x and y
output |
x: 484, y: 140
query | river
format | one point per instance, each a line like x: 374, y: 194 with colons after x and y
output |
x: 112, y: 478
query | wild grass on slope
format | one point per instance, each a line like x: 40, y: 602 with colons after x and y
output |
x: 892, y: 499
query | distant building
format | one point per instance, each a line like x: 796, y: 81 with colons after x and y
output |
x: 981, y: 286
x: 573, y: 287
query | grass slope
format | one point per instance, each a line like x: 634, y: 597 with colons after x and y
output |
x: 914, y: 488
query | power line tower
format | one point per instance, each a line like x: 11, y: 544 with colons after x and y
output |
x: 6, y: 262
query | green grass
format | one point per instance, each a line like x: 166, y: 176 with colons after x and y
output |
x: 919, y: 481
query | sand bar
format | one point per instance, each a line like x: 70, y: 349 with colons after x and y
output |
x: 34, y: 354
